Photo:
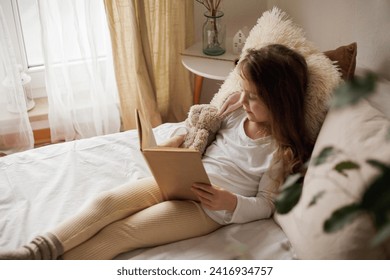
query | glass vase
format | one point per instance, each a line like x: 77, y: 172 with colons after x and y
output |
x: 214, y: 32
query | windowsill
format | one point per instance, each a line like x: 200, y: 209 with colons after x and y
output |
x: 38, y: 114
x: 40, y: 111
x: 38, y: 117
x: 39, y: 122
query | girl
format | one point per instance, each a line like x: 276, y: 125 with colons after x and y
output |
x: 255, y: 148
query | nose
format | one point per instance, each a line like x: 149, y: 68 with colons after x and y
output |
x: 243, y: 99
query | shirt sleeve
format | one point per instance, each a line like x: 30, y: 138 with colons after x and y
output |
x: 262, y: 205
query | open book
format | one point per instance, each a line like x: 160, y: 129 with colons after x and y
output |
x: 174, y: 169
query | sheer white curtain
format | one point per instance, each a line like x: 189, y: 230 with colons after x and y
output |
x: 15, y: 130
x: 80, y: 80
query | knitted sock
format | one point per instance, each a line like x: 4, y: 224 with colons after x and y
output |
x: 26, y: 252
x: 43, y: 247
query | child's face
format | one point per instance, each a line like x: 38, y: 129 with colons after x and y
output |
x: 255, y: 108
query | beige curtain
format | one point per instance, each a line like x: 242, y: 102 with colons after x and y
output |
x: 147, y: 38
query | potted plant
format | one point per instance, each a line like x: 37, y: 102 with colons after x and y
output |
x: 375, y: 199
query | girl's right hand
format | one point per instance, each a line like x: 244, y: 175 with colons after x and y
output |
x: 174, y: 142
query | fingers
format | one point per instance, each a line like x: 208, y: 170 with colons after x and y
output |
x: 177, y: 140
x: 208, y: 195
x: 180, y: 139
x: 204, y: 187
x: 204, y: 192
x: 174, y: 142
x: 214, y: 197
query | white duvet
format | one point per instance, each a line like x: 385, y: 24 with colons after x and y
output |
x: 41, y: 187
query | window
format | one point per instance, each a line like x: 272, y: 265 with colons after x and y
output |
x: 26, y: 42
x: 25, y: 27
x: 30, y: 28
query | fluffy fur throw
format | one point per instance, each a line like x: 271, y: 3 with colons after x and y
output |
x: 274, y: 27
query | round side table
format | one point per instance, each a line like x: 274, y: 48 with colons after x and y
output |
x: 205, y: 66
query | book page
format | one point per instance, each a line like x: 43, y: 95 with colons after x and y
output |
x: 145, y: 132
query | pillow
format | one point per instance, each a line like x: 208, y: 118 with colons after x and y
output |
x: 360, y: 131
x: 345, y: 58
x: 274, y: 27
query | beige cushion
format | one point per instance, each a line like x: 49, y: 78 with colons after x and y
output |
x: 274, y: 27
x: 360, y: 131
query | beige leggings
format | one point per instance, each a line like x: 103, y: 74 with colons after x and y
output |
x: 129, y: 217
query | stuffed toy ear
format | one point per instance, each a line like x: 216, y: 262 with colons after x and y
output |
x: 232, y: 103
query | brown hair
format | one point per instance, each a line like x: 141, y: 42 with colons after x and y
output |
x: 281, y: 77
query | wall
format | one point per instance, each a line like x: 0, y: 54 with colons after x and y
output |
x: 328, y: 24
x: 333, y: 22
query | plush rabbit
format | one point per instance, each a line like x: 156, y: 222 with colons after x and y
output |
x: 202, y: 123
x: 204, y: 120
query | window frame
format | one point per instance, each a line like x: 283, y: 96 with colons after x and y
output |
x: 37, y: 73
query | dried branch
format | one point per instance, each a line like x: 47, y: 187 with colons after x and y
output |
x: 211, y: 5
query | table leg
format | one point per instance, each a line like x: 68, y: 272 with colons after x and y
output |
x: 198, y: 88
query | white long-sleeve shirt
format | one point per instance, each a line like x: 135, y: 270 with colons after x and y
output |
x: 239, y: 164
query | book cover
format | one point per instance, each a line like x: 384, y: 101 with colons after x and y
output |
x: 174, y: 169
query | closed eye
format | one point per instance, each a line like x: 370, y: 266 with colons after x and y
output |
x: 251, y: 95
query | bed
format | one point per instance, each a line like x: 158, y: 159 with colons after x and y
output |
x: 41, y: 187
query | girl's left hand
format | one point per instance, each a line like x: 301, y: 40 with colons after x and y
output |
x: 215, y: 198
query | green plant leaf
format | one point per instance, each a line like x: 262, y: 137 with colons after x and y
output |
x: 324, y: 155
x: 377, y: 164
x: 341, y: 217
x: 315, y: 198
x: 376, y: 201
x: 290, y: 194
x: 354, y: 90
x: 382, y: 235
x: 341, y: 167
x: 377, y: 195
x: 376, y: 198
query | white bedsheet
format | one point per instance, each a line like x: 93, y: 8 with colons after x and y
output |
x: 41, y: 187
